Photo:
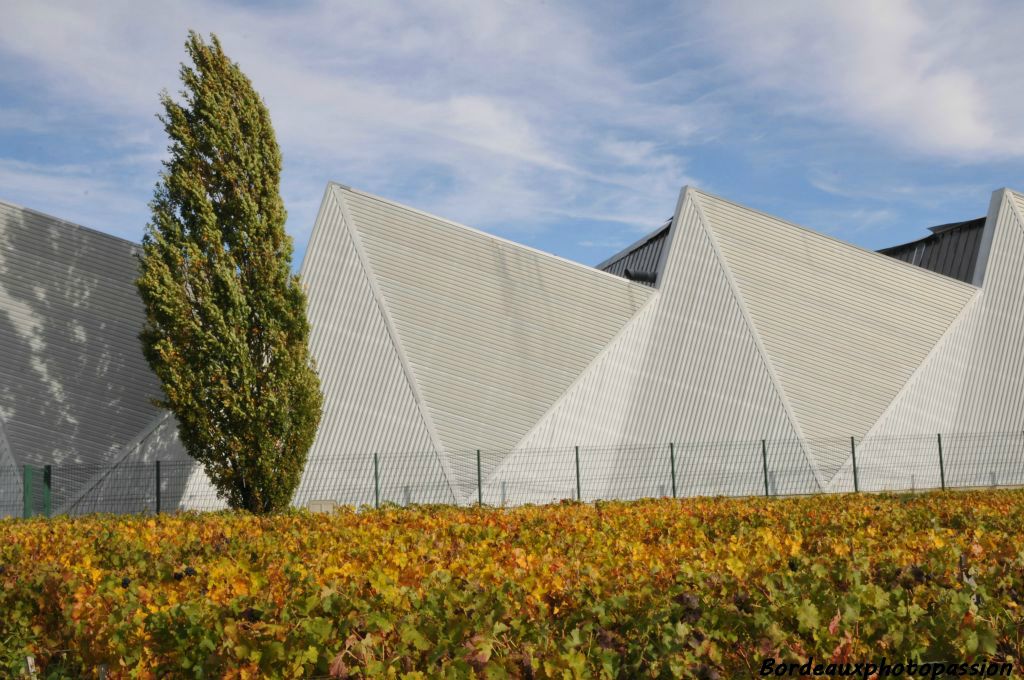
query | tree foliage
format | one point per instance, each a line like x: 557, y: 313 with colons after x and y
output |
x: 226, y: 329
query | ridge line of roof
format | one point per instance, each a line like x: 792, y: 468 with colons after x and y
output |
x: 69, y: 223
x: 936, y: 232
x: 949, y: 226
x: 499, y: 239
x: 835, y: 239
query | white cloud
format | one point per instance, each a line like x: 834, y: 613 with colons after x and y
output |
x: 503, y: 115
x: 72, y: 192
x: 517, y: 116
x: 931, y: 195
x: 940, y: 78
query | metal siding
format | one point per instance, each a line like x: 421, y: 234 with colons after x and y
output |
x: 901, y: 450
x: 494, y: 332
x: 74, y: 386
x: 128, y: 485
x: 686, y: 369
x: 933, y: 398
x: 969, y: 389
x: 645, y: 255
x: 843, y: 328
x: 951, y: 250
x: 994, y: 397
x: 433, y: 340
x: 7, y: 459
x: 369, y: 405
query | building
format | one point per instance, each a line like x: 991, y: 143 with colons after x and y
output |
x: 459, y: 366
x: 75, y: 390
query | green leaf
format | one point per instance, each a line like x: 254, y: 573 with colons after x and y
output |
x: 410, y: 635
x: 807, y: 615
x: 986, y: 641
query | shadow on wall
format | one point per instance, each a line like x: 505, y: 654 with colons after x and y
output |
x: 130, y: 486
x: 75, y: 385
x: 75, y: 389
x: 126, y: 486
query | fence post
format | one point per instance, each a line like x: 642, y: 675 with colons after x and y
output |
x: 479, y: 481
x: 26, y: 491
x: 942, y: 466
x: 376, y: 482
x: 764, y: 466
x: 853, y: 454
x: 579, y: 494
x: 158, y: 487
x: 47, y: 480
x: 672, y: 460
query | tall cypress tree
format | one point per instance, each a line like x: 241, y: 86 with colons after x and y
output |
x: 226, y: 328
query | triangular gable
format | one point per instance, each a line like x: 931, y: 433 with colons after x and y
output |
x: 494, y: 332
x: 807, y: 294
x: 686, y: 370
x: 371, y: 407
x: 993, y: 400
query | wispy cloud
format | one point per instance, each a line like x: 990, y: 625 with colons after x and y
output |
x: 74, y: 192
x: 931, y: 195
x: 505, y: 115
x: 941, y: 78
x: 555, y: 123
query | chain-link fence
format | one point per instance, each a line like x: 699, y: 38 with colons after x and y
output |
x: 587, y: 473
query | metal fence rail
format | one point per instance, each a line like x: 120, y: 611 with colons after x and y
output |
x: 587, y: 473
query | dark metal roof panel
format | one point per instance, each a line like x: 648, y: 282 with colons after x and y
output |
x: 642, y: 256
x: 951, y: 249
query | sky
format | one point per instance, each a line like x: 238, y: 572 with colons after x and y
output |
x: 567, y: 126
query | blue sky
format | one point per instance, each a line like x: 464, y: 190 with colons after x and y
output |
x: 566, y: 126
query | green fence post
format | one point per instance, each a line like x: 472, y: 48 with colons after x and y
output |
x: 26, y: 491
x: 764, y: 465
x: 479, y: 481
x: 47, y: 479
x: 158, y: 487
x: 942, y: 466
x: 579, y: 493
x: 672, y: 460
x: 853, y: 454
x: 376, y: 482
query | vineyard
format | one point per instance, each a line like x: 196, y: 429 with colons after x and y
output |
x: 703, y: 588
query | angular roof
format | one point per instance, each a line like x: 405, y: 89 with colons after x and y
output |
x: 488, y: 333
x: 769, y: 341
x: 951, y: 250
x: 822, y: 307
x: 755, y: 329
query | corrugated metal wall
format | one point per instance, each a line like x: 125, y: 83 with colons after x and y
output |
x: 370, y: 404
x: 933, y: 398
x: 644, y: 256
x: 74, y: 386
x: 687, y: 369
x: 758, y: 330
x: 494, y: 332
x: 968, y: 389
x: 994, y: 398
x: 844, y: 328
x: 952, y: 250
x: 128, y: 484
x: 434, y: 340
